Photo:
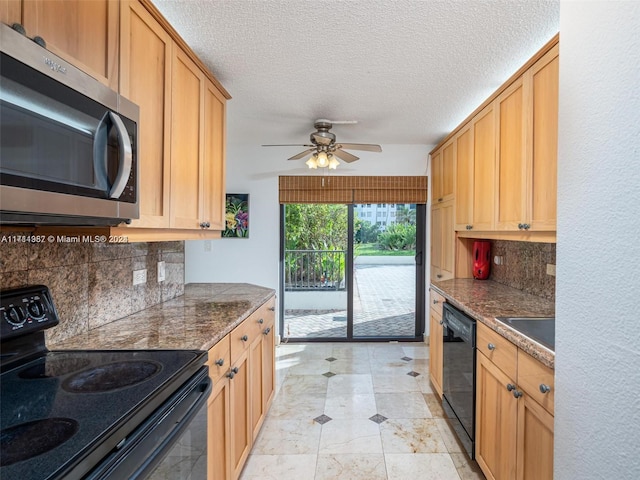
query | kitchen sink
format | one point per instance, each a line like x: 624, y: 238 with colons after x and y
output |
x: 540, y: 329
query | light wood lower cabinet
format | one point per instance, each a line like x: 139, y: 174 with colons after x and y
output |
x: 514, y: 411
x: 242, y: 369
x: 435, y: 341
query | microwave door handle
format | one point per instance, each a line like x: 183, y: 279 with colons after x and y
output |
x: 124, y: 169
x: 100, y: 154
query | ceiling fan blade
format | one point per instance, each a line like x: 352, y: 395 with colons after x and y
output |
x: 361, y: 146
x: 346, y: 156
x: 302, y: 154
x: 289, y: 145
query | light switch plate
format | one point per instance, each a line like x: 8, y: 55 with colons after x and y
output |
x: 551, y: 269
x: 140, y: 276
x: 161, y: 272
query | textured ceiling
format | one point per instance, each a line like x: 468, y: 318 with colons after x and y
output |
x: 407, y: 70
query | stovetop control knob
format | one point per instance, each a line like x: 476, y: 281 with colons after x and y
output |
x: 36, y: 309
x: 14, y: 315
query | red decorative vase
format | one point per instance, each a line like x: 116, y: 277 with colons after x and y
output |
x: 481, y: 259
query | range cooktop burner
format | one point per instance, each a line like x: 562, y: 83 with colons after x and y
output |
x: 54, y: 367
x: 111, y: 376
x: 27, y: 440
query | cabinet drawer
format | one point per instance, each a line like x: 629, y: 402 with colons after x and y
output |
x: 498, y: 349
x: 241, y: 338
x: 435, y: 301
x: 263, y: 318
x: 219, y: 359
x: 536, y: 380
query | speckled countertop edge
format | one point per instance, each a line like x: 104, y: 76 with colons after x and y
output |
x: 196, y: 320
x: 485, y: 300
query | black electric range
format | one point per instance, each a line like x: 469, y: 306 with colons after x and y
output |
x: 70, y: 414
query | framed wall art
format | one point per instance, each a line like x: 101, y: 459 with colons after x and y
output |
x: 236, y: 215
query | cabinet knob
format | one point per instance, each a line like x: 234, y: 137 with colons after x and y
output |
x: 511, y: 387
x: 526, y: 226
x: 40, y: 41
x: 272, y: 309
x: 439, y: 275
x: 469, y: 227
x: 19, y: 28
x: 544, y: 388
x: 440, y: 322
x: 203, y: 225
x: 440, y: 199
x: 491, y: 346
x: 244, y: 338
x: 261, y: 321
x: 266, y: 332
x: 220, y: 362
x: 520, y: 226
x: 435, y: 302
x: 517, y: 393
x: 232, y: 372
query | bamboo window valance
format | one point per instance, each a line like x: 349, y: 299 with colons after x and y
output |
x: 352, y: 189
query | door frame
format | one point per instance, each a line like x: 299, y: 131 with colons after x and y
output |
x: 420, y: 295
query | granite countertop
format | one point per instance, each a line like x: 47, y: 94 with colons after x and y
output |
x: 485, y: 300
x: 196, y: 320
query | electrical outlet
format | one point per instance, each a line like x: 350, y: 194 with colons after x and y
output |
x: 498, y: 260
x: 551, y: 269
x: 161, y: 272
x: 140, y: 276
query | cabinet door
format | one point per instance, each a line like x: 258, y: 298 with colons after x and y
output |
x: 239, y: 391
x: 543, y: 197
x: 11, y: 11
x: 496, y: 421
x: 146, y: 80
x: 219, y: 431
x: 256, y: 356
x: 535, y: 440
x: 268, y: 365
x: 442, y: 242
x: 484, y: 168
x: 435, y: 348
x: 213, y: 170
x: 464, y: 179
x: 512, y: 158
x: 187, y: 115
x: 436, y: 176
x: 442, y: 174
x: 83, y: 33
x: 436, y: 243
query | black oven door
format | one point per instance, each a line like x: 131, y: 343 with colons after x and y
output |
x: 171, y: 443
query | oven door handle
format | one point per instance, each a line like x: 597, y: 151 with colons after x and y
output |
x: 139, y: 454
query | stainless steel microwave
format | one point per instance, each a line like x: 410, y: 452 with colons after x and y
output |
x: 67, y: 142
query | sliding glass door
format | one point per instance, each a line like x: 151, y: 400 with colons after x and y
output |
x: 352, y: 272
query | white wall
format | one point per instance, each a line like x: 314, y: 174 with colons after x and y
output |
x: 255, y: 170
x: 597, y: 414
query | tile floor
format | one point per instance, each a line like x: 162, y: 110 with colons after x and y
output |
x: 356, y: 411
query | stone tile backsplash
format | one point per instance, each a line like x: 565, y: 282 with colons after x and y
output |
x: 92, y: 283
x: 525, y: 266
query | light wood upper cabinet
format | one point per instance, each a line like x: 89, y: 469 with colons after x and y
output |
x: 442, y: 241
x: 484, y: 159
x: 146, y: 80
x: 512, y: 157
x: 187, y: 86
x: 464, y: 179
x: 213, y: 172
x: 544, y: 155
x: 442, y: 174
x: 83, y: 33
x: 11, y: 11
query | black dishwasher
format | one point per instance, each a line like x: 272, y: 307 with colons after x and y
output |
x: 459, y: 374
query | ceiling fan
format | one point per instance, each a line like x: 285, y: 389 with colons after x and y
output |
x: 324, y: 149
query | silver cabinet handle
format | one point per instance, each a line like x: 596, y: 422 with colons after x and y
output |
x: 220, y: 362
x: 491, y: 346
x: 544, y: 388
x: 124, y: 169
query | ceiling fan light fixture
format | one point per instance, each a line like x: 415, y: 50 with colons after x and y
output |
x: 333, y: 162
x: 322, y: 159
x: 312, y: 162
